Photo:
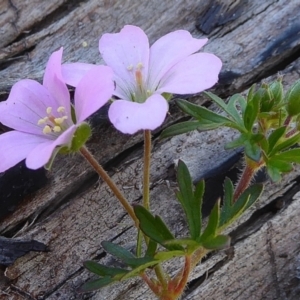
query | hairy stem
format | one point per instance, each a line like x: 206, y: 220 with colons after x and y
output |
x: 102, y: 173
x: 250, y: 170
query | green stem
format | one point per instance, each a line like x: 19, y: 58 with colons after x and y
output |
x: 102, y: 173
x: 147, y: 160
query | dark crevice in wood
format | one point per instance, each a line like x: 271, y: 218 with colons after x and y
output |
x: 8, y: 61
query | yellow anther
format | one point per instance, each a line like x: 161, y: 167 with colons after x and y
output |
x: 129, y: 68
x: 46, y: 129
x: 139, y: 66
x: 61, y: 109
x: 56, y: 129
x: 58, y: 121
x: 49, y: 110
x: 41, y: 121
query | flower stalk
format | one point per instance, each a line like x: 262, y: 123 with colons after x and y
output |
x: 147, y: 162
x: 103, y: 174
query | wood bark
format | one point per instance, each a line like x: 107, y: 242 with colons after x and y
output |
x: 75, y: 211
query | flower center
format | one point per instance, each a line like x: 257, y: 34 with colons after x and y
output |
x: 140, y: 94
x: 54, y: 124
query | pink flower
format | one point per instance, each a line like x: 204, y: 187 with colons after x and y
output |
x: 143, y: 74
x: 43, y: 117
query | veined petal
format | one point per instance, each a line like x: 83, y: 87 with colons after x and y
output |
x: 130, y: 117
x: 40, y: 155
x: 192, y: 75
x: 124, y: 52
x: 54, y: 82
x: 15, y: 146
x: 168, y: 51
x: 93, y: 91
x: 26, y: 104
x: 72, y: 73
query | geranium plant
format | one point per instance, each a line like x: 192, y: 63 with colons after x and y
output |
x: 139, y: 81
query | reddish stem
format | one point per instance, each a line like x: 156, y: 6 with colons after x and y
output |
x: 249, y: 171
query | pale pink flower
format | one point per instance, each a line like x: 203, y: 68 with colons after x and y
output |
x: 42, y: 115
x: 143, y: 74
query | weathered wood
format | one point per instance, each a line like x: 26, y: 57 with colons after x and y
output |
x: 76, y: 211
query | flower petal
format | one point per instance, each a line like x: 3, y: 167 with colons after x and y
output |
x: 15, y: 146
x: 72, y: 73
x: 123, y: 52
x: 26, y: 104
x: 40, y: 155
x: 93, y: 91
x: 129, y: 117
x: 168, y: 51
x: 54, y: 82
x: 194, y: 74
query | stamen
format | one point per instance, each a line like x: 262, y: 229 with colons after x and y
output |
x: 41, y: 121
x: 139, y: 66
x: 46, y: 129
x: 58, y: 121
x: 57, y: 129
x: 129, y: 68
x: 61, y: 109
x: 49, y: 110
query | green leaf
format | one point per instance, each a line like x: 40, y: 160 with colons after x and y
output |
x: 124, y: 255
x: 292, y: 156
x: 251, y: 93
x: 188, y: 126
x: 276, y: 91
x: 281, y: 166
x: 220, y: 102
x: 226, y: 213
x: 190, y: 201
x: 285, y: 144
x: 184, y: 242
x: 293, y: 99
x: 276, y: 167
x: 251, y: 113
x: 275, y: 136
x: 166, y: 255
x: 232, y: 210
x: 103, y: 270
x: 95, y: 284
x: 274, y: 173
x: 200, y: 113
x: 213, y: 223
x: 252, y: 150
x: 232, y: 110
x: 238, y: 142
x: 154, y: 227
x: 217, y: 243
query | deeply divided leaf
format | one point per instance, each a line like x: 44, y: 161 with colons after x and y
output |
x: 154, y: 227
x: 191, y: 201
